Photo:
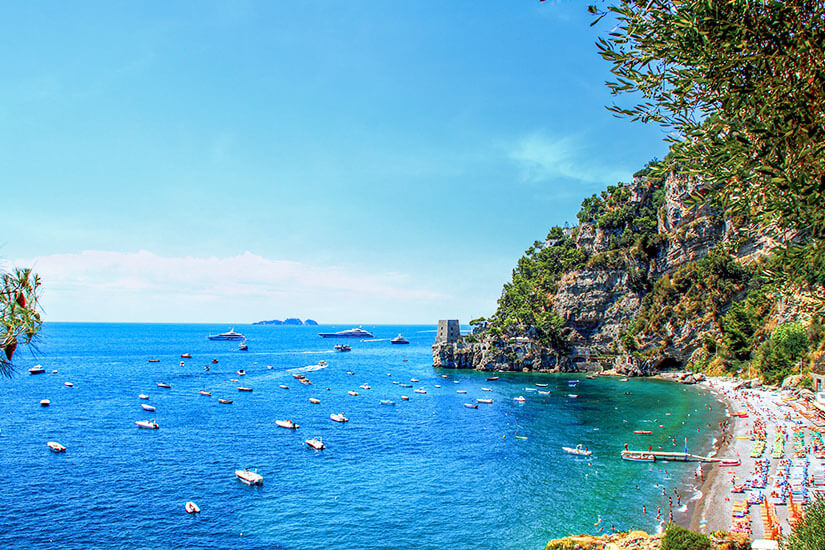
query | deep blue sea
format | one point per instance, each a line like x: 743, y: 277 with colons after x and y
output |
x: 423, y: 473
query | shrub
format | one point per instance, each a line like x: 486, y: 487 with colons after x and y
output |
x: 777, y: 357
x: 679, y: 538
x: 810, y: 533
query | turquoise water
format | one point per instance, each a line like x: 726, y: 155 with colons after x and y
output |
x: 424, y: 473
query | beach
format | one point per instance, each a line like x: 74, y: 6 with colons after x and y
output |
x: 780, y: 414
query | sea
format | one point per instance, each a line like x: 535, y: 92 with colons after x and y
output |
x: 427, y: 472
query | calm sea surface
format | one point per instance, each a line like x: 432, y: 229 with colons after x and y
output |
x: 423, y: 473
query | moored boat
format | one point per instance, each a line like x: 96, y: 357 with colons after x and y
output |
x: 191, y: 508
x: 578, y: 450
x: 231, y: 335
x: 488, y: 401
x: 645, y: 432
x: 399, y: 340
x: 154, y: 360
x: 471, y: 405
x: 241, y: 372
x: 241, y: 388
x: 492, y: 378
x: 338, y: 418
x: 638, y: 456
x: 146, y: 407
x: 45, y: 402
x: 314, y: 400
x: 224, y: 401
x: 461, y: 391
x: 730, y: 463
x: 316, y: 443
x: 351, y: 333
x: 56, y: 447
x: 404, y: 398
x: 186, y: 356
x: 204, y: 392
x: 68, y: 384
x: 283, y: 386
x: 164, y: 385
x: 250, y: 476
x: 147, y: 424
x: 143, y: 396
x: 288, y: 424
x: 386, y: 402
x: 37, y: 369
x: 352, y: 392
x: 243, y: 346
x: 419, y: 390
x: 520, y: 399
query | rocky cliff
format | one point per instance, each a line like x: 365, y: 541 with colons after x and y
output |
x: 641, y: 285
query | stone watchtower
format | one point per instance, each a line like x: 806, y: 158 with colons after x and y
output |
x: 448, y: 331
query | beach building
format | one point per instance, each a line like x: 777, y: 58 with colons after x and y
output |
x: 448, y: 331
x: 818, y: 382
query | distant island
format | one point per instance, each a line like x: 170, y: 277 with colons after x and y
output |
x: 294, y: 321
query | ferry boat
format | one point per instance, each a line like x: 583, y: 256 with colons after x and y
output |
x: 399, y: 340
x: 231, y: 335
x: 351, y: 333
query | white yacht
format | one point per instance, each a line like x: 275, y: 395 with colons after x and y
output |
x: 351, y: 333
x: 231, y: 335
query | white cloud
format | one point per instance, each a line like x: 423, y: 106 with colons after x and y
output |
x: 542, y: 158
x: 115, y: 286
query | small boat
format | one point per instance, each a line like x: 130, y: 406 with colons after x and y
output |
x: 298, y: 376
x: 520, y: 399
x: 45, y: 402
x: 54, y: 372
x: 243, y: 347
x: 314, y: 400
x: 573, y: 382
x: 572, y: 395
x: 214, y: 361
x: 638, y: 456
x: 305, y: 381
x: 181, y: 363
x: 350, y: 373
x: 225, y: 401
x: 342, y: 347
x: 241, y: 388
x: 419, y: 390
x: 386, y: 402
x: 147, y: 424
x: 623, y: 380
x: 338, y: 418
x: 578, y: 450
x: 541, y: 385
x: 163, y: 385
x: 486, y: 389
x: 352, y: 392
x: 186, y: 356
x: 521, y: 437
x: 283, y: 386
x: 443, y: 376
x: 154, y: 360
x: 231, y: 335
x: 414, y: 380
x: 68, y: 384
x: 203, y: 392
x: 730, y: 463
x: 488, y: 401
x: 404, y: 398
x: 37, y: 369
x: 192, y: 508
x: 250, y: 476
x: 146, y: 407
x: 56, y: 447
x: 269, y: 367
x: 461, y: 391
x: 471, y: 405
x: 438, y: 385
x: 316, y: 444
x: 642, y: 432
x: 405, y: 385
x: 288, y: 424
x: 399, y: 340
x: 544, y: 392
x: 365, y: 386
x: 241, y: 372
x: 492, y: 378
x: 143, y: 396
x: 233, y: 379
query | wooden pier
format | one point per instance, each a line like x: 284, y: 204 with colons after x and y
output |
x: 664, y: 455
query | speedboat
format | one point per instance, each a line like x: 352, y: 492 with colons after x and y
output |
x: 642, y: 432
x: 250, y: 476
x: 572, y: 395
x: 461, y: 391
x: 203, y: 392
x: 243, y: 347
x: 146, y: 407
x: 164, y: 385
x: 414, y: 380
x: 471, y: 405
x: 342, y: 347
x: 386, y: 402
x: 399, y: 340
x: 578, y: 450
x: 364, y: 386
x: 191, y: 508
x: 352, y: 392
x: 488, y: 401
x: 283, y: 386
x: 56, y: 447
x: 214, y: 361
x: 419, y: 390
x: 314, y: 400
x: 492, y: 378
x: 241, y: 388
x: 541, y: 385
x: 316, y: 444
x: 298, y: 376
x: 404, y: 398
x: 45, y: 402
x: 338, y: 418
x: 520, y: 399
x: 224, y: 401
x: 154, y: 360
x: 439, y: 385
x: 143, y: 396
x: 486, y: 389
x: 351, y: 333
x: 37, y: 369
x: 241, y: 372
x: 186, y: 356
x: 231, y: 335
x: 638, y: 456
x: 147, y: 424
x: 68, y: 384
x: 288, y: 424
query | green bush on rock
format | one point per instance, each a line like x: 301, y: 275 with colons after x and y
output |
x: 679, y: 538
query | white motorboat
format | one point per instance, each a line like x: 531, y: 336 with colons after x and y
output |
x: 191, y: 508
x: 578, y: 450
x: 45, y: 402
x: 37, y: 369
x: 461, y: 391
x: 520, y: 399
x: 572, y: 395
x: 338, y: 418
x: 352, y: 392
x: 204, y: 392
x: 224, y: 401
x: 364, y: 386
x: 164, y: 385
x: 404, y: 398
x: 243, y: 346
x: 486, y: 389
x: 419, y: 390
x: 316, y: 444
x: 386, y: 402
x: 638, y: 456
x: 146, y: 407
x: 351, y: 333
x: 314, y: 400
x: 288, y: 424
x: 241, y: 388
x: 241, y: 372
x: 56, y: 447
x: 68, y: 384
x: 143, y: 396
x: 471, y: 405
x: 250, y: 476
x: 488, y: 401
x: 283, y: 386
x: 147, y: 424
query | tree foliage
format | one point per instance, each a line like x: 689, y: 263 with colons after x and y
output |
x: 810, y: 533
x: 741, y: 86
x: 777, y: 357
x: 18, y: 313
x: 679, y: 538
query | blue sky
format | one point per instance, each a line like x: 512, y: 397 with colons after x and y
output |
x: 350, y: 162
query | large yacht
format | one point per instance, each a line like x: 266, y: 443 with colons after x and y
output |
x: 231, y: 335
x: 351, y: 333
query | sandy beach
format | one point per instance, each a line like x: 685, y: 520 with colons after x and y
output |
x: 713, y: 511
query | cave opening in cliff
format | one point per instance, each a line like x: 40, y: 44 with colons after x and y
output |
x: 668, y: 364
